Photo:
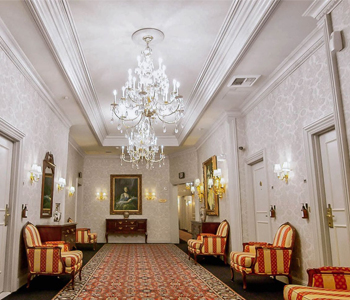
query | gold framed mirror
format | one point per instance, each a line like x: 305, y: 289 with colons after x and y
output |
x: 47, y: 186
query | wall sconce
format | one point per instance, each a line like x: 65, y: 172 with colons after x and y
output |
x: 35, y: 173
x: 71, y: 191
x: 150, y: 196
x: 282, y: 172
x: 101, y: 196
x: 217, y: 183
x: 200, y: 189
x: 189, y: 186
x: 61, y: 184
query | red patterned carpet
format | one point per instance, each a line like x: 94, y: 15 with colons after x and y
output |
x: 145, y: 271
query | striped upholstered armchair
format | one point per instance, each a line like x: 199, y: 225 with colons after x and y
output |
x: 324, y: 283
x: 50, y: 258
x: 266, y: 259
x: 210, y: 243
x: 84, y: 236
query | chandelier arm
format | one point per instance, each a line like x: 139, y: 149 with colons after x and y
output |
x: 167, y: 122
x: 128, y: 127
x: 123, y: 119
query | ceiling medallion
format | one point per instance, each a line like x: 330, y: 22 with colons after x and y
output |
x: 146, y: 99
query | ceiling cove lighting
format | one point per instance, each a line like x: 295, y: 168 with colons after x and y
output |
x: 146, y: 99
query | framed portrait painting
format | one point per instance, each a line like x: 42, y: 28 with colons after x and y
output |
x: 210, y: 199
x: 126, y: 194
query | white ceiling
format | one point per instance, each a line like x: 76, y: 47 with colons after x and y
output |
x: 104, y: 30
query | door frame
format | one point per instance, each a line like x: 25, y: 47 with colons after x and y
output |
x: 12, y: 242
x: 250, y: 161
x: 320, y: 230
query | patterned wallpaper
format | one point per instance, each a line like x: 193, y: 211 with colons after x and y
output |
x: 74, y: 166
x: 341, y: 22
x: 276, y: 125
x: 96, y: 178
x: 183, y: 162
x: 21, y: 106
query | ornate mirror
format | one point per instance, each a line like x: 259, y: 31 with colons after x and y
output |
x: 47, y: 186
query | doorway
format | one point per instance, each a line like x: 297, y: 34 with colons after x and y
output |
x: 257, y: 196
x: 333, y: 201
x: 6, y: 147
x: 186, y: 212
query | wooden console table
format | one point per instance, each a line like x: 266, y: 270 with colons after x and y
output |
x: 198, y: 227
x: 126, y: 226
x: 58, y: 232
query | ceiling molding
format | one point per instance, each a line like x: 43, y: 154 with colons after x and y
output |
x: 293, y: 61
x: 76, y: 147
x: 318, y: 8
x: 11, y: 48
x: 122, y: 141
x: 56, y: 24
x: 242, y: 24
x: 183, y: 152
x: 226, y: 117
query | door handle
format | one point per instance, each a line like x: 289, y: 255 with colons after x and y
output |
x: 7, y: 214
x: 330, y: 216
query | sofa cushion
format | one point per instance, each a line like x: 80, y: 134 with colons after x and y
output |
x: 298, y: 292
x: 243, y: 259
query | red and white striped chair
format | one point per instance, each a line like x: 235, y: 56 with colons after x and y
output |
x: 324, y: 283
x: 209, y: 243
x: 50, y: 258
x: 84, y: 236
x: 266, y: 259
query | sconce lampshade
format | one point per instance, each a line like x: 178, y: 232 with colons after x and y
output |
x: 277, y: 168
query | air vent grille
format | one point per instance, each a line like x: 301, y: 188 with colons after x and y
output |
x: 243, y: 81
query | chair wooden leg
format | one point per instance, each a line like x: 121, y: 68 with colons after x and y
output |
x: 244, y: 280
x: 232, y: 274
x: 80, y: 272
x: 189, y: 254
x: 225, y: 259
x: 289, y: 278
x: 28, y: 279
x: 195, y: 258
x: 73, y: 275
x: 94, y: 246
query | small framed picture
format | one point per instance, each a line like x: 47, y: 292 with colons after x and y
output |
x: 181, y: 175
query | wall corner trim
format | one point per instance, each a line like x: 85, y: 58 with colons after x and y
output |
x: 76, y: 147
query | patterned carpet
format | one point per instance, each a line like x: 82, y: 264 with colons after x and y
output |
x: 145, y: 271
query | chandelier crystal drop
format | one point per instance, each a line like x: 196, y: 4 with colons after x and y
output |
x: 146, y: 98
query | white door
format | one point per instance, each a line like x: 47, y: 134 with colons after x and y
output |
x: 261, y: 203
x: 335, y: 199
x: 5, y: 175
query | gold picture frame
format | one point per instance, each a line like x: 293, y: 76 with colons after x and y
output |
x: 211, y: 200
x: 126, y: 194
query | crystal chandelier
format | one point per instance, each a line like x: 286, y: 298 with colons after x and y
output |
x: 146, y: 99
x: 143, y: 146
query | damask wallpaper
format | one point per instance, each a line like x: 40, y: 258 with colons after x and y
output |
x: 183, y: 162
x: 96, y: 178
x: 276, y: 125
x: 22, y: 107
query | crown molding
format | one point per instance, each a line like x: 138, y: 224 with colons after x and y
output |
x: 226, y: 117
x: 111, y: 140
x: 56, y: 24
x: 293, y: 61
x: 318, y: 8
x: 242, y: 24
x: 183, y: 152
x: 76, y: 147
x: 11, y: 48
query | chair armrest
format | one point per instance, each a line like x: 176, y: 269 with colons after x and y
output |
x: 62, y: 244
x: 45, y: 259
x: 319, y: 274
x: 250, y: 246
x: 209, y: 241
x: 83, y: 229
x: 278, y: 262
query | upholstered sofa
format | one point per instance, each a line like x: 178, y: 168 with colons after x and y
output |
x: 324, y: 283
